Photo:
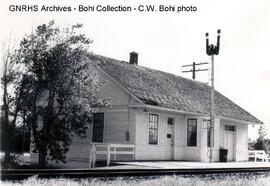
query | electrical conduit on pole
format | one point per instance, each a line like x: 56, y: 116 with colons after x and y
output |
x: 212, y: 112
x: 212, y: 50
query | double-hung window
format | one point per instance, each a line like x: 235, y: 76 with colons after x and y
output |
x: 98, y: 127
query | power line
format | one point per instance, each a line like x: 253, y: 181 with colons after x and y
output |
x: 194, y: 70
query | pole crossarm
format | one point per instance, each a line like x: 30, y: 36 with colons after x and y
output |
x: 204, y: 63
x: 197, y: 70
x: 193, y: 70
x: 187, y: 71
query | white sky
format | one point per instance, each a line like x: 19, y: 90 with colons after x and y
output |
x: 166, y: 41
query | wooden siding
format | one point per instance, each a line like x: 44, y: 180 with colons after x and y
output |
x: 144, y: 150
x: 116, y: 123
x: 193, y: 153
x: 116, y: 126
x: 111, y: 90
x: 241, y: 143
x: 205, y: 150
x: 180, y: 137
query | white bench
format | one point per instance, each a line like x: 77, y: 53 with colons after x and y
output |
x: 109, y: 149
x: 258, y: 155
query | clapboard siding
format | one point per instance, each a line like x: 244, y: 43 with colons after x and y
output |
x: 76, y: 157
x: 192, y: 152
x: 150, y: 152
x: 113, y: 91
x: 241, y: 139
x: 116, y: 126
x: 120, y: 119
x: 203, y: 139
x: 179, y: 137
x: 144, y: 150
x: 79, y: 149
x: 116, y: 123
x: 216, y: 140
x: 241, y: 142
x: 132, y: 124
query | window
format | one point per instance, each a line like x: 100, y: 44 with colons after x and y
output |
x: 209, y: 134
x: 170, y: 121
x: 98, y: 126
x: 153, y: 129
x: 230, y: 128
x: 192, y: 132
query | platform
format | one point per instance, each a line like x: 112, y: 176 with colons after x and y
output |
x: 187, y: 165
x: 141, y: 168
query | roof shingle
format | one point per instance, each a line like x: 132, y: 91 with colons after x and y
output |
x: 167, y: 90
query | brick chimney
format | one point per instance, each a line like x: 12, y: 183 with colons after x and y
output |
x: 133, y: 58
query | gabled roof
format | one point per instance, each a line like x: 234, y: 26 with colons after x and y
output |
x: 162, y: 89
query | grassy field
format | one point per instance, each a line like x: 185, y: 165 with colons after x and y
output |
x: 209, y: 180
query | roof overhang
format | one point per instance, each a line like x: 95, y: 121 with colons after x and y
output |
x: 165, y: 109
x: 240, y: 121
x: 191, y: 113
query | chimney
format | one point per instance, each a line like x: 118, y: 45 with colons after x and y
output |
x: 133, y: 58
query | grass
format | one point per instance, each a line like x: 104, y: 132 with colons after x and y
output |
x: 208, y: 180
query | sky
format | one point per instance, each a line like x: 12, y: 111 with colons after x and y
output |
x: 168, y: 40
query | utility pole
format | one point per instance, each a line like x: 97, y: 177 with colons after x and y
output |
x: 212, y: 50
x: 194, y: 70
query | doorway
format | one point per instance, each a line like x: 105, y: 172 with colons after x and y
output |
x: 229, y: 141
x: 170, y: 139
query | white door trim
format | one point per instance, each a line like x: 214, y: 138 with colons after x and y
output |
x: 172, y: 139
x: 234, y: 143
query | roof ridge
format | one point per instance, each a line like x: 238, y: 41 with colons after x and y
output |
x: 127, y: 63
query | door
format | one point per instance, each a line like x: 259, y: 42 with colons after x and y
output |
x: 169, y: 140
x: 230, y: 145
